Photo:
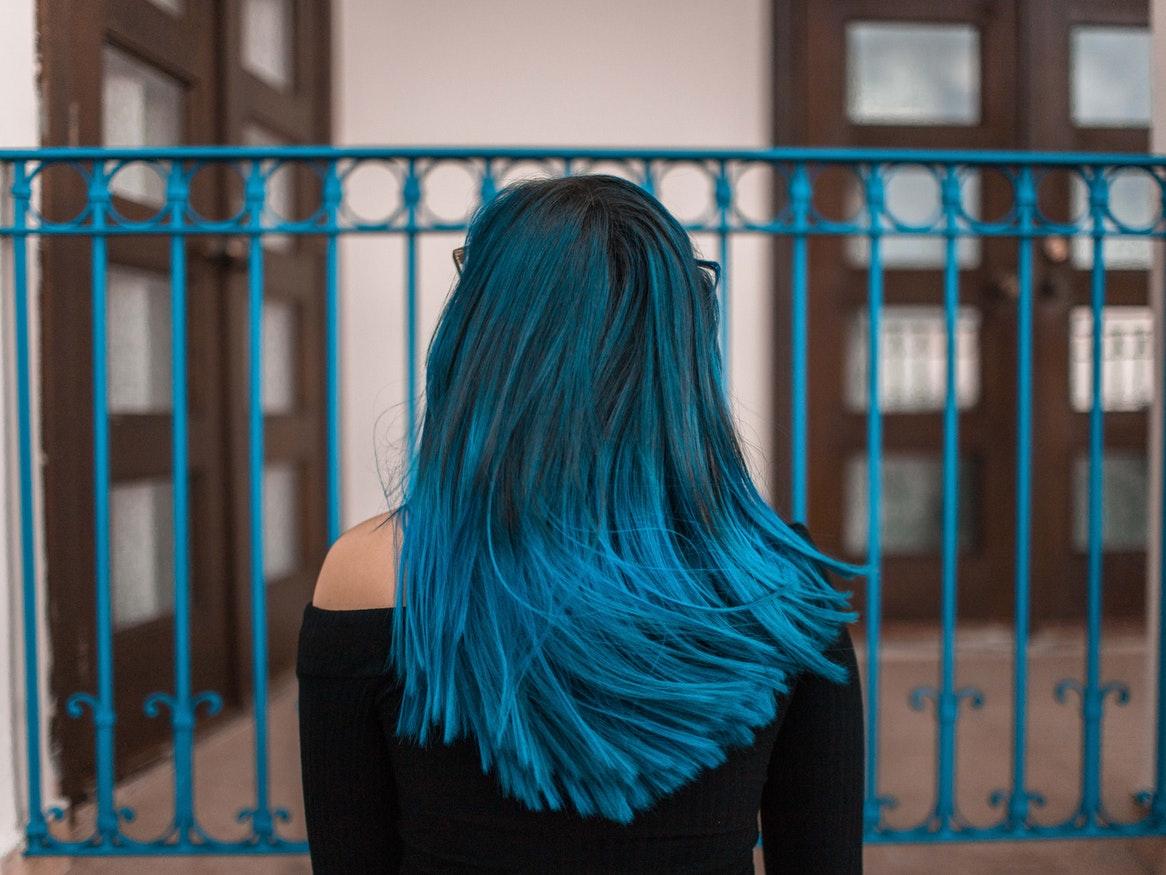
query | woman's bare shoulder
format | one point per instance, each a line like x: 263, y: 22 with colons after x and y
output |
x: 360, y: 570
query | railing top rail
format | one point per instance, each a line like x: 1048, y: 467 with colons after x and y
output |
x: 776, y: 154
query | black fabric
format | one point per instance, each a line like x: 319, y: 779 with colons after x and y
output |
x: 375, y: 804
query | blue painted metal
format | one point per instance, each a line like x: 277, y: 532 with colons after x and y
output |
x: 1019, y: 796
x: 262, y: 816
x: 945, y: 818
x: 799, y: 220
x: 724, y: 199
x: 800, y: 193
x: 37, y: 830
x: 412, y: 194
x: 1092, y: 692
x: 875, y: 190
x: 780, y: 155
x: 333, y: 195
x: 184, y: 831
x: 102, y: 705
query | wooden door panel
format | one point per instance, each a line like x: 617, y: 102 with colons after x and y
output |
x: 1025, y: 101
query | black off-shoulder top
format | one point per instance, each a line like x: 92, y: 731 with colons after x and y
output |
x: 377, y: 804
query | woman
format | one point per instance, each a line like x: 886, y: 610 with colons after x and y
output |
x: 583, y: 641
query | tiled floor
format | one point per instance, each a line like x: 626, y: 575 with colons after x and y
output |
x: 906, y: 746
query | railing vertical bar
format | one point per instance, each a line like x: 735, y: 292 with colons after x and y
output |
x: 647, y: 179
x: 947, y: 702
x: 874, y: 442
x: 412, y: 198
x: 1017, y: 816
x: 261, y: 817
x: 37, y: 828
x: 332, y: 198
x: 184, y: 703
x: 105, y: 715
x: 724, y: 199
x: 800, y: 195
x: 1091, y: 695
x: 182, y: 711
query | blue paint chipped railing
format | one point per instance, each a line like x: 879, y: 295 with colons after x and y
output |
x: 796, y: 172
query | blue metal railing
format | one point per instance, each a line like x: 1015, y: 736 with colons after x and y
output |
x: 797, y: 172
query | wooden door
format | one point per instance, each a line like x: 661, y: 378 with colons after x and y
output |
x: 964, y: 74
x: 1087, y: 89
x: 277, y: 94
x: 155, y: 73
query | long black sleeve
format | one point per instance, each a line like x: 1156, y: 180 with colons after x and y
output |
x: 811, y: 807
x: 350, y: 799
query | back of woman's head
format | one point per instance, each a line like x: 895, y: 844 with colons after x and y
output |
x: 590, y: 583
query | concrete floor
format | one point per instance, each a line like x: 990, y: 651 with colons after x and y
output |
x: 906, y: 745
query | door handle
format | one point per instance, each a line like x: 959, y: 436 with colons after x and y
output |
x: 1055, y: 249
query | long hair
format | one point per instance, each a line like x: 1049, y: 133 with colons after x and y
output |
x: 589, y: 582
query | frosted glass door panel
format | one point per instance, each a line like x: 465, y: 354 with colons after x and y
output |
x: 141, y: 551
x: 1124, y: 497
x: 1110, y: 70
x: 912, y: 507
x: 279, y: 356
x: 913, y: 363
x: 1127, y: 358
x: 138, y: 338
x: 281, y: 531
x: 140, y: 106
x: 268, y: 41
x: 913, y: 74
x: 174, y: 7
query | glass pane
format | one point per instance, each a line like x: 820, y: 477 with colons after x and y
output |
x: 1124, y: 497
x: 913, y: 74
x: 141, y: 551
x: 1135, y: 201
x: 268, y: 41
x: 1110, y: 76
x: 279, y: 356
x: 174, y: 7
x: 280, y: 203
x: 913, y: 362
x: 140, y: 106
x: 1127, y: 358
x: 911, y: 515
x: 281, y: 531
x: 913, y: 197
x: 138, y: 338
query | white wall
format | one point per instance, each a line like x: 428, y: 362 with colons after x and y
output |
x: 527, y: 72
x: 18, y: 127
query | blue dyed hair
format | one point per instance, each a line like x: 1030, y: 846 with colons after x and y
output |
x: 589, y: 582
